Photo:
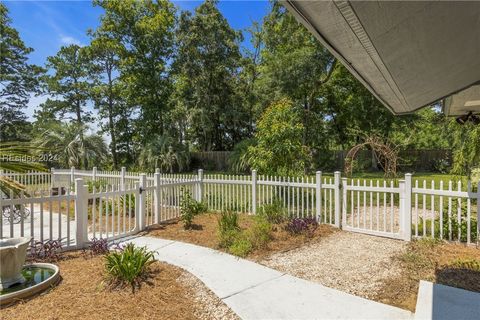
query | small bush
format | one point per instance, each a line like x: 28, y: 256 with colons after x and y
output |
x: 241, y: 246
x: 304, y: 226
x: 128, y: 266
x: 228, y: 228
x: 470, y: 264
x: 48, y: 250
x: 128, y: 202
x: 241, y: 242
x: 228, y: 221
x: 446, y: 232
x: 98, y: 246
x: 259, y: 233
x: 227, y: 238
x: 273, y: 213
x: 189, y: 208
x: 99, y: 185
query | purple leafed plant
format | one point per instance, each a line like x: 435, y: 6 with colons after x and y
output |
x: 48, y: 250
x: 98, y: 246
x: 306, y: 226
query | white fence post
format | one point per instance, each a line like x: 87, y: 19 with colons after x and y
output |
x: 318, y: 195
x: 344, y: 202
x: 94, y: 174
x: 406, y: 207
x: 254, y: 191
x: 478, y: 211
x: 338, y: 203
x: 81, y: 214
x: 122, y: 178
x: 72, y: 175
x: 52, y: 177
x: 156, y: 183
x: 157, y: 170
x: 199, y: 195
x: 142, y: 202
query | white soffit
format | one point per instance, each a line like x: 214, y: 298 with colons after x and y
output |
x: 463, y: 102
x: 408, y: 54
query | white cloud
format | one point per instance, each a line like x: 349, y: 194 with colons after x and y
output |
x: 67, y: 40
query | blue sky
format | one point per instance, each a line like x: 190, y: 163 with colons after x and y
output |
x: 47, y: 25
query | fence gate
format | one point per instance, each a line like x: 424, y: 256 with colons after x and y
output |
x: 375, y: 208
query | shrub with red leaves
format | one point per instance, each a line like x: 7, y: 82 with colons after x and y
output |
x: 306, y: 226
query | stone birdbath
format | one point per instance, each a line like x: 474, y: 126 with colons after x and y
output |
x: 19, y: 281
x: 12, y: 257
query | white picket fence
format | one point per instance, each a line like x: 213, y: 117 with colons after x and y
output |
x: 82, y: 205
x: 32, y: 181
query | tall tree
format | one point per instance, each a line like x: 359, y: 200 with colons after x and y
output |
x: 206, y: 78
x: 294, y: 65
x: 143, y: 30
x: 279, y: 149
x: 71, y: 84
x: 466, y: 147
x: 107, y: 92
x: 250, y: 72
x: 18, y: 80
x: 351, y: 111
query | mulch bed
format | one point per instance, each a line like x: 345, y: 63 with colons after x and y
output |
x: 204, y: 233
x: 83, y: 294
x: 431, y: 261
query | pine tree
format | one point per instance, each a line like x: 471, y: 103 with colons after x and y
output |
x: 18, y: 80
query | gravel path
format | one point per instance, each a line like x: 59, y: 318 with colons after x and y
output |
x: 210, y: 306
x: 350, y: 262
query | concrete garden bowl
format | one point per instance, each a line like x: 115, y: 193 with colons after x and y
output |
x: 19, y: 281
x: 12, y: 257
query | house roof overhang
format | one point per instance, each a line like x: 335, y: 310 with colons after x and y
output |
x: 409, y: 54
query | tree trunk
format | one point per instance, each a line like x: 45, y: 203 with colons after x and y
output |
x: 82, y: 138
x: 113, y: 136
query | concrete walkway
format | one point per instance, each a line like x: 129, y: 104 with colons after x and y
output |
x: 439, y: 302
x: 253, y: 291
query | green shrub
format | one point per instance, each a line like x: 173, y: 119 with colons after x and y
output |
x: 274, y: 212
x: 227, y: 237
x: 259, y: 233
x: 241, y: 242
x: 455, y: 226
x: 189, y: 208
x: 99, y: 185
x: 128, y: 266
x: 470, y: 264
x: 228, y: 221
x: 128, y: 202
x: 228, y: 228
x: 241, y: 245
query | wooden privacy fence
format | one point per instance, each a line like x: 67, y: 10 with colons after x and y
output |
x: 111, y: 205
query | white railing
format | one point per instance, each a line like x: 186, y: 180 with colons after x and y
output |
x: 447, y: 212
x: 113, y: 204
x: 44, y: 216
x: 32, y: 181
x: 375, y: 208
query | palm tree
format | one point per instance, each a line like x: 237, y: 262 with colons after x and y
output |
x: 18, y: 157
x: 162, y: 152
x: 64, y: 140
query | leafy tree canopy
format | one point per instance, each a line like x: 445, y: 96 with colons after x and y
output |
x: 279, y: 149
